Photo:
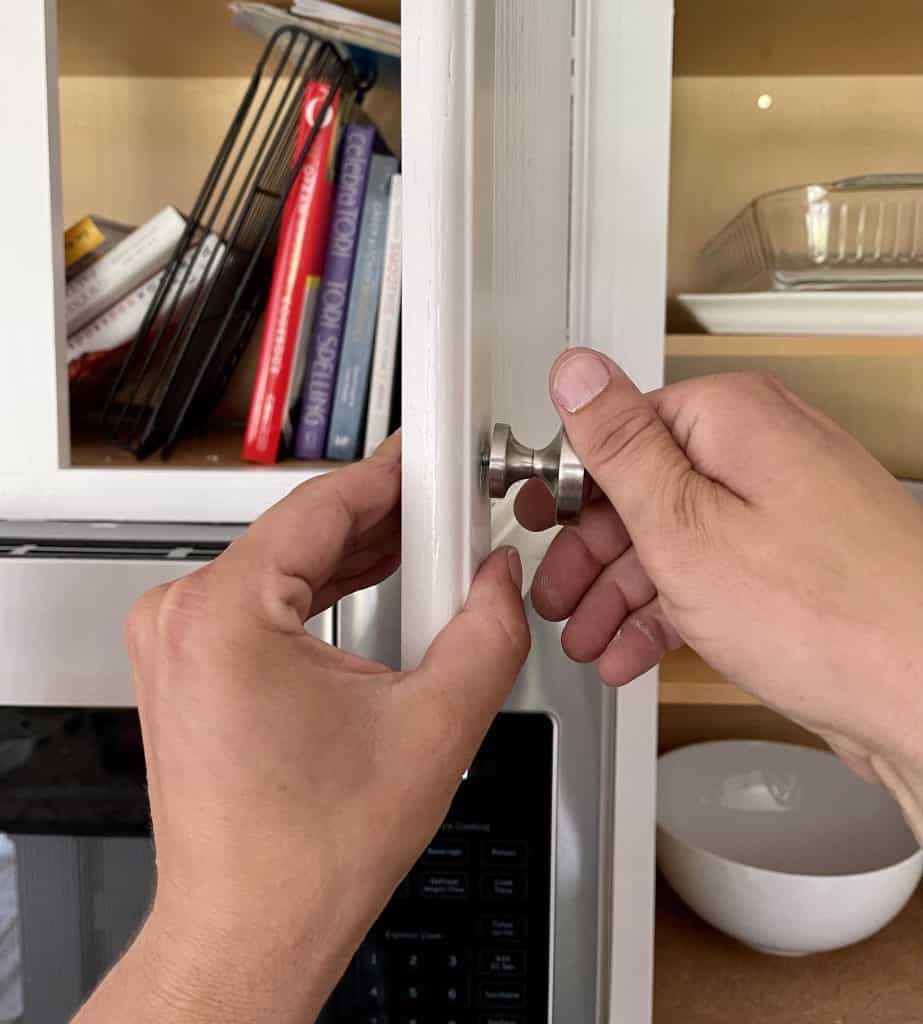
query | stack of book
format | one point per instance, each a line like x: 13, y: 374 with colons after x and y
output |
x: 325, y: 381
x: 325, y: 378
x: 113, y: 272
x: 325, y: 384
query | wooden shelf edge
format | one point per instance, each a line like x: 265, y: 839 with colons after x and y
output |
x: 686, y: 679
x: 794, y: 345
x: 704, y: 693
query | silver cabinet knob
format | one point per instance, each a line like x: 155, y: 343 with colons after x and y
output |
x: 556, y: 465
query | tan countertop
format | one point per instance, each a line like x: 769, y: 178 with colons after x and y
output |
x: 703, y: 977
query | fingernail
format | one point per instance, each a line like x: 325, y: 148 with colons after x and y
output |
x: 515, y: 567
x: 578, y: 379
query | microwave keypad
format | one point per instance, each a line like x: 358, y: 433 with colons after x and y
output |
x: 466, y: 937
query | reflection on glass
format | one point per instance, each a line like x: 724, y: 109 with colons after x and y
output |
x: 11, y: 1005
x: 76, y: 859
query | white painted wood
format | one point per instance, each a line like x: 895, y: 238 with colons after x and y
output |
x: 35, y: 482
x: 621, y: 167
x: 143, y: 495
x: 486, y: 107
x: 518, y: 310
x: 531, y: 190
x: 31, y: 419
x: 447, y: 95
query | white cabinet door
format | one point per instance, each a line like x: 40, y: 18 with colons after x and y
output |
x: 536, y: 159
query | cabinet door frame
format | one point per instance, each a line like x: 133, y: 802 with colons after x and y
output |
x: 622, y: 103
x: 618, y: 206
x: 36, y: 479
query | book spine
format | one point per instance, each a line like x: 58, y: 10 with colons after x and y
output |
x: 296, y: 271
x: 120, y: 323
x: 345, y: 437
x: 381, y: 383
x: 130, y: 263
x: 327, y: 337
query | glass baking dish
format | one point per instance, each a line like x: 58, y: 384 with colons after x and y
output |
x: 857, y: 233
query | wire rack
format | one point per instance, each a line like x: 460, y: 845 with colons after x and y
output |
x: 213, y: 291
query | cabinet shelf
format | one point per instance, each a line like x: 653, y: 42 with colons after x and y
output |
x: 215, y: 450
x: 703, y: 977
x: 794, y: 347
x: 871, y: 386
x: 171, y: 37
x: 686, y: 679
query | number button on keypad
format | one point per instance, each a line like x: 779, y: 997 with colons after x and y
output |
x: 410, y: 961
x: 413, y: 993
x: 453, y: 994
x: 452, y: 961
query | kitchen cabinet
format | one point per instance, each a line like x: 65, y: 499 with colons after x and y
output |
x: 766, y: 97
x: 541, y: 162
x: 534, y: 141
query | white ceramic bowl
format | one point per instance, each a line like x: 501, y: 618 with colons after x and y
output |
x: 782, y: 846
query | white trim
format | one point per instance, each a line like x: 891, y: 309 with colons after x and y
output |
x: 620, y: 174
x: 446, y: 529
x: 32, y: 421
x: 145, y: 495
x: 35, y: 480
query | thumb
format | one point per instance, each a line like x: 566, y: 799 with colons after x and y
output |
x: 624, y: 445
x: 471, y: 666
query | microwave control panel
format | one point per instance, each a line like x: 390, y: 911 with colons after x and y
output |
x: 466, y: 938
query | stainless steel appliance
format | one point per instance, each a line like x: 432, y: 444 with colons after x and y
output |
x: 504, y: 919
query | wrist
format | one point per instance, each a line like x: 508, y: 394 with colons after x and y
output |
x: 238, y: 970
x: 897, y: 761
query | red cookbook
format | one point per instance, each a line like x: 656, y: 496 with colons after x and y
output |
x: 296, y: 280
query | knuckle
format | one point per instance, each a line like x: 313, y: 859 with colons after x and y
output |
x: 689, y: 506
x: 759, y: 383
x: 519, y: 639
x: 509, y: 634
x: 684, y: 505
x: 622, y: 437
x: 185, y: 611
x: 142, y: 618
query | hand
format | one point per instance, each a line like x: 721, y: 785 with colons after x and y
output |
x: 293, y: 785
x: 736, y: 519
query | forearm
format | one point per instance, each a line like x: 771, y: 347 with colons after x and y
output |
x: 171, y: 975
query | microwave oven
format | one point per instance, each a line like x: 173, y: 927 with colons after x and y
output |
x: 505, y: 919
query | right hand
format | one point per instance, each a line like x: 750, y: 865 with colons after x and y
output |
x: 738, y: 520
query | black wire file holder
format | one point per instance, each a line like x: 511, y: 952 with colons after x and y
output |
x: 213, y: 290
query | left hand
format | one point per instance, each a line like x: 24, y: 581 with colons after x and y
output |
x: 293, y: 785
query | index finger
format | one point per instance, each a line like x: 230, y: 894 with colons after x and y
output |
x: 304, y: 537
